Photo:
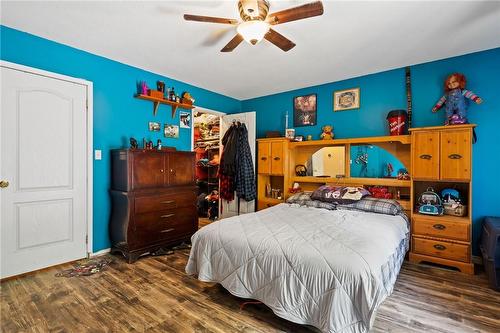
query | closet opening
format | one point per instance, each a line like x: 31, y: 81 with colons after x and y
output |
x: 206, y: 145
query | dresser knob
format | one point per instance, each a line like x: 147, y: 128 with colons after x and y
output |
x: 439, y: 226
x: 161, y: 170
x: 440, y: 247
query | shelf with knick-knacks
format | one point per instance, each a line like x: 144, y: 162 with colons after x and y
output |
x: 157, y: 97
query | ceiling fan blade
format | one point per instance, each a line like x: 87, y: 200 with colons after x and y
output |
x: 296, y: 13
x: 232, y: 43
x: 279, y: 40
x: 209, y: 19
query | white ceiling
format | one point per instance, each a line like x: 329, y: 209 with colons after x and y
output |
x: 352, y: 38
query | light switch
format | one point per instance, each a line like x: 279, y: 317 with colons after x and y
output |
x: 98, y: 154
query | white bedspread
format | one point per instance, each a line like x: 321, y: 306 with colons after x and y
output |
x: 328, y: 269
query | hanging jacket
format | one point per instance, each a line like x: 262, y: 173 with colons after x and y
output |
x: 228, y: 159
x: 245, y: 176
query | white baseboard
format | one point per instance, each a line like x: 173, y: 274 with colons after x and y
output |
x: 100, y: 253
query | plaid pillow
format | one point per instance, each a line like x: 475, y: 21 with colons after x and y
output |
x: 375, y: 205
x: 304, y: 199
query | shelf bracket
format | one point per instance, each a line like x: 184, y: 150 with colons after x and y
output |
x: 155, y: 108
x: 174, y: 108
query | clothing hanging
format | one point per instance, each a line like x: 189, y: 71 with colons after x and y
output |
x: 236, y: 166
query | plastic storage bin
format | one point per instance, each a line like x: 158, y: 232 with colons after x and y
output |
x: 490, y: 249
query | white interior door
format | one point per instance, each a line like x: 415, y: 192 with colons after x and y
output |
x: 43, y: 157
x: 230, y: 208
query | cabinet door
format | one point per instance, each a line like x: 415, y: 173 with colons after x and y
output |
x: 456, y: 155
x: 148, y: 170
x: 264, y: 157
x: 425, y: 155
x: 277, y: 158
x: 181, y: 168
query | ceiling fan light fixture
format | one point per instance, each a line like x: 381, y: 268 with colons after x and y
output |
x: 253, y: 31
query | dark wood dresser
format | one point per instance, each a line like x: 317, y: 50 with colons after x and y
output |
x: 153, y: 200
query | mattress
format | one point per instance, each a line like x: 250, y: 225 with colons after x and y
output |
x: 327, y: 268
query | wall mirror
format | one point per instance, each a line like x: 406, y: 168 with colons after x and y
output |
x: 369, y: 161
x: 328, y: 161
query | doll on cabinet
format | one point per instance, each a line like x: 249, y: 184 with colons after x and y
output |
x: 455, y: 100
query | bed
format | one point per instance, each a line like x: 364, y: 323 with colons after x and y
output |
x: 327, y: 268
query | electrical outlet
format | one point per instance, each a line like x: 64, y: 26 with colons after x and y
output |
x: 98, y: 155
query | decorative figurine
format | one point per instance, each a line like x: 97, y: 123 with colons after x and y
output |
x: 133, y: 143
x: 144, y: 88
x: 327, y: 132
x: 455, y: 100
x: 160, y: 86
x: 158, y: 144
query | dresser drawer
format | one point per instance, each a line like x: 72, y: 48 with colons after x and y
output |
x: 165, y: 224
x: 154, y: 203
x: 442, y: 228
x: 441, y: 249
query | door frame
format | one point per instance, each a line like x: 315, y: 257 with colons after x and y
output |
x: 89, y: 133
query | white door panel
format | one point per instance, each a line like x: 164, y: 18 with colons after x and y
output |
x: 43, y: 157
x: 230, y: 208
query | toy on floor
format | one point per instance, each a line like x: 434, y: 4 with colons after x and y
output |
x: 455, y: 100
x: 327, y: 133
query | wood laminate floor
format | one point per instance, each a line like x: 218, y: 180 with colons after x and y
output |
x: 155, y: 295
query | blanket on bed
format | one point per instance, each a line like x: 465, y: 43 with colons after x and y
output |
x: 328, y: 269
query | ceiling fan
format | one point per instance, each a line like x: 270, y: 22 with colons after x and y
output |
x: 256, y: 22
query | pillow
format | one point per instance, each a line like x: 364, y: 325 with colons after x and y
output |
x: 339, y: 194
x: 375, y: 205
x: 304, y: 199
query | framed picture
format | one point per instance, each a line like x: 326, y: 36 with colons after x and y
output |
x: 185, y: 119
x: 154, y: 126
x: 346, y: 99
x: 290, y: 133
x: 171, y: 131
x: 304, y: 110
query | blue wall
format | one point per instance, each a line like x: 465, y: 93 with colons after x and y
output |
x: 117, y: 115
x: 385, y: 91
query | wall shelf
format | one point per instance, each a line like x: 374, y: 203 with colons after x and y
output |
x: 158, y: 101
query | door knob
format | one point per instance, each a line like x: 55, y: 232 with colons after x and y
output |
x: 4, y: 184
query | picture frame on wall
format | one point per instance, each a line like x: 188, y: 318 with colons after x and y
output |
x: 304, y: 110
x: 185, y: 119
x: 348, y: 99
x: 154, y: 126
x: 171, y: 131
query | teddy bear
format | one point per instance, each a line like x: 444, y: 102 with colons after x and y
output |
x: 327, y: 132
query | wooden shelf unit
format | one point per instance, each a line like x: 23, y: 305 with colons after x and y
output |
x: 158, y: 101
x: 442, y: 158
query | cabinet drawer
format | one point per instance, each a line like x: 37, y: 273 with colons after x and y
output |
x: 165, y: 201
x: 165, y: 224
x: 441, y: 229
x: 452, y: 251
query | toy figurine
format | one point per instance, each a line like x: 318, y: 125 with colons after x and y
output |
x: 327, y: 132
x: 133, y: 143
x: 455, y: 101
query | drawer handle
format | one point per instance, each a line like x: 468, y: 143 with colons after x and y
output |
x: 439, y: 226
x: 167, y: 216
x: 440, y: 247
x: 276, y: 158
x: 455, y: 156
x: 167, y: 230
x: 161, y: 170
x: 168, y: 202
x: 425, y: 156
x: 263, y: 158
x: 269, y: 205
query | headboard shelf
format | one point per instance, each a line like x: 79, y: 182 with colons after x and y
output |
x: 353, y: 181
x: 403, y: 139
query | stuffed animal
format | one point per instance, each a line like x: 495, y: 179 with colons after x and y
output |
x: 327, y: 132
x: 455, y: 100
